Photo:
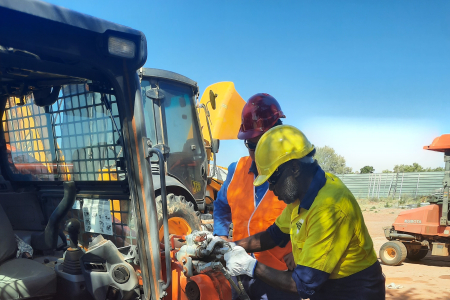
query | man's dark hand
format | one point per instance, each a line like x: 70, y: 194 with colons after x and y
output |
x: 289, y: 260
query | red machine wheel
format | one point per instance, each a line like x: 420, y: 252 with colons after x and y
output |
x: 416, y: 254
x: 393, y: 253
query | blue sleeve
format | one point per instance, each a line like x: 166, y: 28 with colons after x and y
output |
x: 280, y: 238
x: 222, y: 210
x: 308, y: 280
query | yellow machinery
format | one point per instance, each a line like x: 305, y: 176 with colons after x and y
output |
x: 224, y: 122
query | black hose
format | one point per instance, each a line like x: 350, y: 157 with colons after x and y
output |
x: 162, y: 178
x: 48, y: 239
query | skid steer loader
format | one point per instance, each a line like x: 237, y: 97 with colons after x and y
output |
x: 78, y: 208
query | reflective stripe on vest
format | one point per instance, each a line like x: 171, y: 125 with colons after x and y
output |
x: 248, y: 219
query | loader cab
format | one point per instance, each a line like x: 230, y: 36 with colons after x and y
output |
x: 77, y: 205
x: 172, y: 122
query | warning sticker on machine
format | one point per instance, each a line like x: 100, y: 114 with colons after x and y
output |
x: 97, y: 216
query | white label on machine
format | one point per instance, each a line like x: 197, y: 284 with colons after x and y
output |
x: 97, y: 216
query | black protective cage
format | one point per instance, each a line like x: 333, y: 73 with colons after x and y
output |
x: 45, y: 46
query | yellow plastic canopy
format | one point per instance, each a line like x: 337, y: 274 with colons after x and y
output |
x: 226, y: 118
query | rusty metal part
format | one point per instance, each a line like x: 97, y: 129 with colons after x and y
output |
x: 212, y: 286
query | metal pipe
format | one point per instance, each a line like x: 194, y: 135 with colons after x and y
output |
x: 201, y: 105
x: 162, y: 178
x: 140, y: 180
x: 445, y: 192
x: 402, y: 236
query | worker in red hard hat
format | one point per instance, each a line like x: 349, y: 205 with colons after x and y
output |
x: 253, y: 209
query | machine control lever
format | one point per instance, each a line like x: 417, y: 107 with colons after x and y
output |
x: 73, y: 228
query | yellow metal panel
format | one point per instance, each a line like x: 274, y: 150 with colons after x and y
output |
x: 226, y: 118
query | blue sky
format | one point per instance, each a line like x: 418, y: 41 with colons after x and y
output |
x: 368, y: 78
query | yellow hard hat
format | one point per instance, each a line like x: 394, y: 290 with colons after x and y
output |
x: 277, y: 146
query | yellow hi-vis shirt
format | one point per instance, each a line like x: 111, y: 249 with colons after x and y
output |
x: 331, y: 235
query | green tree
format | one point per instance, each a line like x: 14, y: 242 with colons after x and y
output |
x: 386, y: 171
x: 415, y: 167
x: 438, y: 169
x: 330, y: 161
x: 367, y: 169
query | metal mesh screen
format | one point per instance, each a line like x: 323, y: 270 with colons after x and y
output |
x: 77, y: 138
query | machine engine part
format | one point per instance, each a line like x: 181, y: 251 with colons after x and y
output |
x: 204, y: 253
x: 203, y: 245
x: 106, y: 271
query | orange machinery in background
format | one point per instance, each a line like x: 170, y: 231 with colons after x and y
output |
x: 418, y: 230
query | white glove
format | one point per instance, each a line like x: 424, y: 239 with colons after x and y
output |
x: 239, y: 262
x: 199, y: 236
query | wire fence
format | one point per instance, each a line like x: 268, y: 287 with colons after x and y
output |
x: 393, y: 185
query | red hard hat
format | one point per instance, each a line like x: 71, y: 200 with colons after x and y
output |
x: 260, y: 113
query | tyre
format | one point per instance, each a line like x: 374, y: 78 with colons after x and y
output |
x: 393, y: 253
x: 416, y: 254
x: 183, y: 219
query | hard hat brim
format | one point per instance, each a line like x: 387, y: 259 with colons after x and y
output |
x: 249, y: 134
x: 261, y: 179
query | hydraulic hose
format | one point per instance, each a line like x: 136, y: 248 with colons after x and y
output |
x: 48, y: 239
x: 162, y: 177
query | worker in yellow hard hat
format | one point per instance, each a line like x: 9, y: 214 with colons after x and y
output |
x: 253, y: 209
x: 332, y: 248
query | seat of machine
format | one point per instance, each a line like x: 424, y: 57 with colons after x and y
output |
x: 21, y: 278
x: 24, y: 278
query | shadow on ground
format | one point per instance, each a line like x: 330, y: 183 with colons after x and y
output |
x: 413, y: 294
x: 429, y: 260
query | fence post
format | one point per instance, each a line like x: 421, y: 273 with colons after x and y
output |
x: 379, y: 185
x: 401, y: 186
x: 390, y: 185
x: 374, y: 184
x: 417, y: 187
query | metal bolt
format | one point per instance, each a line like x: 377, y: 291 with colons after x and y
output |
x: 183, y: 260
x: 149, y: 143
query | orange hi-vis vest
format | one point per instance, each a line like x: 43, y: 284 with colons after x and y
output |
x: 248, y: 219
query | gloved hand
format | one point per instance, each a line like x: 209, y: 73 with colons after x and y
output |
x: 239, y: 262
x: 199, y: 236
x: 218, y: 244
